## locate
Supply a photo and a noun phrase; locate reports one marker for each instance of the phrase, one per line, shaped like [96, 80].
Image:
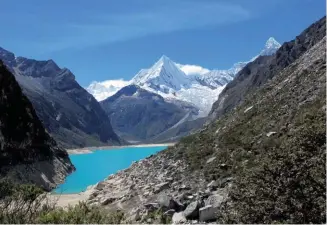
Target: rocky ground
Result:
[158, 188]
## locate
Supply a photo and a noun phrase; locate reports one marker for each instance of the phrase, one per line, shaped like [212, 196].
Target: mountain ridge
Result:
[68, 112]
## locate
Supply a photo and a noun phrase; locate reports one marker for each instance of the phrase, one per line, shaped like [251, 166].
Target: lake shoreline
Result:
[88, 150]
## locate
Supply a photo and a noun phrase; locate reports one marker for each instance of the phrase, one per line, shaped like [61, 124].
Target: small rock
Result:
[183, 187]
[211, 159]
[168, 202]
[100, 185]
[152, 206]
[271, 133]
[222, 182]
[161, 186]
[178, 218]
[107, 200]
[223, 166]
[192, 210]
[169, 212]
[248, 109]
[212, 185]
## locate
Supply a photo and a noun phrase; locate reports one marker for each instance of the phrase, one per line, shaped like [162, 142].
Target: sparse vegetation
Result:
[275, 151]
[21, 204]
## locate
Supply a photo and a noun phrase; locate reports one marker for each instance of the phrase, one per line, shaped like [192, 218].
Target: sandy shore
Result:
[90, 149]
[65, 200]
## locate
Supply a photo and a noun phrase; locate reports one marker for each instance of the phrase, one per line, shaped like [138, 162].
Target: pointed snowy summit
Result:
[272, 43]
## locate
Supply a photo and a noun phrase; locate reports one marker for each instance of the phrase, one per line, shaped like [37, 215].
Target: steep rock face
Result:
[139, 115]
[27, 153]
[68, 112]
[263, 68]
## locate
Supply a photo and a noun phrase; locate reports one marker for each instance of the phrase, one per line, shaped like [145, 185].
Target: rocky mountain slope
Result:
[139, 115]
[27, 153]
[263, 68]
[68, 112]
[263, 162]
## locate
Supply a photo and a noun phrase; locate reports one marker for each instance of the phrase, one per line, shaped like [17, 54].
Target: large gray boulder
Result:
[166, 202]
[211, 208]
[192, 210]
[178, 218]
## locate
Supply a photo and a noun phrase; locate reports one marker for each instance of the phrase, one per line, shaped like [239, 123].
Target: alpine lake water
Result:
[98, 165]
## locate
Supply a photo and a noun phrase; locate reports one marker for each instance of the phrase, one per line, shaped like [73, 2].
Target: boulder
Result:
[211, 208]
[178, 218]
[207, 213]
[167, 202]
[192, 210]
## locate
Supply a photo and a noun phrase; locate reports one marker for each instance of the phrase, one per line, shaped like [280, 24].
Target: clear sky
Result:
[111, 39]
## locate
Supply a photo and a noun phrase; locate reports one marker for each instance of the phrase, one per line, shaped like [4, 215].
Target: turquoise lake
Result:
[96, 166]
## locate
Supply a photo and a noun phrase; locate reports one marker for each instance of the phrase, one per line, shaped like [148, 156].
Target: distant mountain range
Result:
[68, 112]
[190, 83]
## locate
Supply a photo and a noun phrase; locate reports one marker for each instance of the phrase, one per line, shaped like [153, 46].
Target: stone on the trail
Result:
[178, 218]
[211, 159]
[192, 210]
[162, 186]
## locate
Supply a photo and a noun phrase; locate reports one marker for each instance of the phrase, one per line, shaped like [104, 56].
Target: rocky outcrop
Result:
[27, 153]
[157, 183]
[68, 112]
[139, 115]
[255, 74]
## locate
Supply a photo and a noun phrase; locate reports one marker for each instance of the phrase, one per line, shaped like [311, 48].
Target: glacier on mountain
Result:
[173, 81]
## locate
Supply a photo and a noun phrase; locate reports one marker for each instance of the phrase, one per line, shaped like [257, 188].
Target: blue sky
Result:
[112, 39]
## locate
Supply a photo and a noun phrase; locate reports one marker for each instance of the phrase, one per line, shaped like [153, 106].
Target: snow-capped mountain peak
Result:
[164, 76]
[271, 47]
[190, 83]
[272, 43]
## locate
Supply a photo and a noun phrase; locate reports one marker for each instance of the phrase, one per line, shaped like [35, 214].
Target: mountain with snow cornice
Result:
[190, 83]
